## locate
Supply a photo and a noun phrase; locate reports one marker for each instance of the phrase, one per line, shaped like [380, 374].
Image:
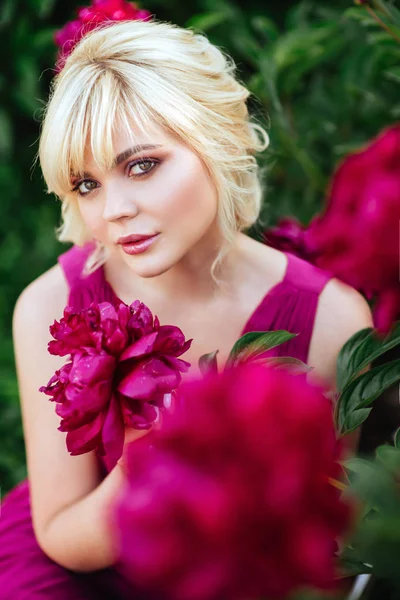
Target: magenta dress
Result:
[26, 573]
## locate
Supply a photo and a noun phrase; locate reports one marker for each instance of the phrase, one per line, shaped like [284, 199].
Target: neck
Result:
[189, 280]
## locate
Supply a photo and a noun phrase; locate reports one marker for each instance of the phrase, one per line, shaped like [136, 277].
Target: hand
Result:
[131, 435]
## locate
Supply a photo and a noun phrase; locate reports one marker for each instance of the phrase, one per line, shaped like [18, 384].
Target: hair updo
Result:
[146, 72]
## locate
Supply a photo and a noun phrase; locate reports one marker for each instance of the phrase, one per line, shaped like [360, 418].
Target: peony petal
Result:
[92, 368]
[141, 321]
[148, 378]
[137, 384]
[142, 347]
[89, 398]
[387, 310]
[177, 363]
[170, 340]
[86, 438]
[107, 311]
[207, 490]
[113, 434]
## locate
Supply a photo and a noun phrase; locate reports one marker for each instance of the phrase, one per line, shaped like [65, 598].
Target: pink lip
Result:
[133, 237]
[136, 247]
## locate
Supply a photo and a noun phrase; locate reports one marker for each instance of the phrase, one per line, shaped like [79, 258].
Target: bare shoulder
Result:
[43, 299]
[263, 266]
[341, 312]
[56, 478]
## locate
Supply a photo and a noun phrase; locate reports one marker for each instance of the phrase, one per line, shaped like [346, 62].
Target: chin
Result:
[148, 267]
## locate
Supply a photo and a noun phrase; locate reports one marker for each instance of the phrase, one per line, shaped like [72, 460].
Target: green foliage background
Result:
[325, 79]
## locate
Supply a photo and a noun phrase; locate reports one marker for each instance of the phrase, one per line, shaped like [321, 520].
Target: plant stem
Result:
[381, 23]
[337, 484]
[381, 6]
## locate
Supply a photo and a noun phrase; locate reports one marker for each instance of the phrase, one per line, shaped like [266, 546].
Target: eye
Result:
[141, 167]
[84, 187]
[135, 169]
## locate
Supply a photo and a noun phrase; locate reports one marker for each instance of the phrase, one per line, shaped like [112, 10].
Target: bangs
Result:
[87, 123]
[131, 76]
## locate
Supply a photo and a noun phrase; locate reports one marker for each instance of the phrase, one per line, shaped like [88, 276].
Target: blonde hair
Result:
[144, 72]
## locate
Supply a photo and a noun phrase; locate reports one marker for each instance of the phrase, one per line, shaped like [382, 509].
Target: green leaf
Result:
[393, 73]
[361, 393]
[43, 40]
[389, 10]
[350, 561]
[397, 438]
[389, 456]
[288, 363]
[362, 349]
[7, 10]
[206, 21]
[42, 7]
[358, 465]
[27, 92]
[250, 345]
[266, 27]
[361, 15]
[295, 46]
[345, 367]
[6, 136]
[208, 363]
[355, 419]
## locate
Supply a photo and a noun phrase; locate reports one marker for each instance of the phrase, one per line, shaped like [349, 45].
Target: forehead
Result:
[126, 139]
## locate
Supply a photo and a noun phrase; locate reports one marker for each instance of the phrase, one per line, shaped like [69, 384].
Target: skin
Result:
[179, 200]
[171, 193]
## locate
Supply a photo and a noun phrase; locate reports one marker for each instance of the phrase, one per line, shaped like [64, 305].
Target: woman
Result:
[147, 136]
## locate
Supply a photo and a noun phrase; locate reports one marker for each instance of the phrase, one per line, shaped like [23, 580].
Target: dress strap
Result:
[292, 305]
[304, 275]
[83, 289]
[304, 283]
[72, 263]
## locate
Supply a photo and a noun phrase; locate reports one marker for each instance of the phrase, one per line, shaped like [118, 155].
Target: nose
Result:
[119, 204]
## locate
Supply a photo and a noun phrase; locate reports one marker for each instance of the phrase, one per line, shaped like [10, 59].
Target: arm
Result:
[341, 312]
[69, 499]
[79, 537]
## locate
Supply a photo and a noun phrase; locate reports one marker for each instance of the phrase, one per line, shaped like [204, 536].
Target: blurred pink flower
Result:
[122, 364]
[100, 12]
[357, 237]
[231, 498]
[290, 236]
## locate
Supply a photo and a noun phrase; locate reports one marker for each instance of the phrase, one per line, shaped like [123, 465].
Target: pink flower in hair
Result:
[99, 13]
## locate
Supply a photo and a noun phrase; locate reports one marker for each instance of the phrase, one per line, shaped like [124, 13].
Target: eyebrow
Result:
[134, 150]
[126, 154]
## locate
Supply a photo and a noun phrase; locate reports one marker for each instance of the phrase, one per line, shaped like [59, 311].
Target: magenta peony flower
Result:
[358, 235]
[290, 236]
[232, 497]
[122, 364]
[101, 12]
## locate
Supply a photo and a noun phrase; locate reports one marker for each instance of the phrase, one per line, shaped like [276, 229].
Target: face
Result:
[163, 190]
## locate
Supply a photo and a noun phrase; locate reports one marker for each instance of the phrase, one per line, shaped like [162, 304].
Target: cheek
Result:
[191, 198]
[92, 216]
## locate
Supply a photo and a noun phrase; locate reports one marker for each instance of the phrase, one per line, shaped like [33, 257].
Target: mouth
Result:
[134, 237]
[137, 244]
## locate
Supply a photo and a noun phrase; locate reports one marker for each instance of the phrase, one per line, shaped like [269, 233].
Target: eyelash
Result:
[140, 161]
